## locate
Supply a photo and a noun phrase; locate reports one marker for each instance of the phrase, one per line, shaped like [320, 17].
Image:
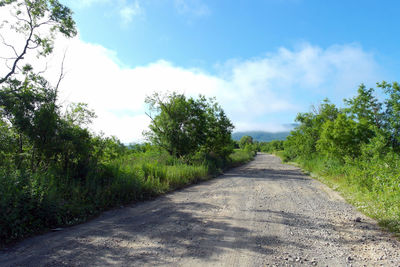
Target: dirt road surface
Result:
[261, 214]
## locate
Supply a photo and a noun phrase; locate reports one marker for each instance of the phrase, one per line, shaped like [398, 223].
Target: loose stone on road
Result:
[261, 214]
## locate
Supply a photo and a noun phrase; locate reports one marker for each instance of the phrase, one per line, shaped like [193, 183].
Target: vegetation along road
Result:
[263, 213]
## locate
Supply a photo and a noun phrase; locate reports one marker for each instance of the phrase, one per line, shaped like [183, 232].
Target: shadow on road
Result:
[268, 174]
[158, 234]
[163, 231]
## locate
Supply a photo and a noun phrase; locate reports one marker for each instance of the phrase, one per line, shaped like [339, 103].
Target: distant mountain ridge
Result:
[261, 136]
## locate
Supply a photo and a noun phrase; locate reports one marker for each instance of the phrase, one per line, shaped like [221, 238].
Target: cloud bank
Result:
[261, 93]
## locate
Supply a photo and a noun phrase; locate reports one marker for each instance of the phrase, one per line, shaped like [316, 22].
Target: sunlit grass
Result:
[36, 201]
[372, 187]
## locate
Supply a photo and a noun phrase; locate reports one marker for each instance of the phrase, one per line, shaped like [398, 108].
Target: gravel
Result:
[261, 214]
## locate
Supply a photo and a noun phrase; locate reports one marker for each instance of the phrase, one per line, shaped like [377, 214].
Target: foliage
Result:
[245, 140]
[355, 149]
[339, 138]
[54, 171]
[239, 156]
[392, 113]
[302, 141]
[184, 126]
[270, 147]
[262, 136]
[36, 22]
[32, 202]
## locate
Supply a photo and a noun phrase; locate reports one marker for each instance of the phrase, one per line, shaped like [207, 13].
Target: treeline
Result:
[54, 171]
[356, 148]
[262, 136]
[247, 143]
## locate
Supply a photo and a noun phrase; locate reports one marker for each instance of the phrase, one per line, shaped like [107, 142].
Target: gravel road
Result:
[261, 214]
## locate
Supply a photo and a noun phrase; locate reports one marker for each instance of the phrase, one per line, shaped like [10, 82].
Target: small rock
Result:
[358, 219]
[349, 258]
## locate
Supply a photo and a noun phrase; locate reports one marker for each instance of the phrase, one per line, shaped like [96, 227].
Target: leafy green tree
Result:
[245, 140]
[36, 22]
[29, 108]
[183, 126]
[392, 112]
[339, 138]
[178, 125]
[27, 101]
[366, 111]
[79, 114]
[8, 143]
[218, 130]
[303, 140]
[365, 107]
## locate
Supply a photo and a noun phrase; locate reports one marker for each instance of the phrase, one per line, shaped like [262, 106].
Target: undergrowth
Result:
[372, 186]
[33, 202]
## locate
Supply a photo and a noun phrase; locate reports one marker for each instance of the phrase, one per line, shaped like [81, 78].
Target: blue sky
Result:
[193, 33]
[264, 60]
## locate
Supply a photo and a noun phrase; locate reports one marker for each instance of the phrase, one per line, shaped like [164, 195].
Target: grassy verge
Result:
[239, 157]
[373, 187]
[35, 202]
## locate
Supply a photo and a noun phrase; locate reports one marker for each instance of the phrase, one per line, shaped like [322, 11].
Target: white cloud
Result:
[254, 93]
[129, 11]
[192, 8]
[126, 10]
[257, 94]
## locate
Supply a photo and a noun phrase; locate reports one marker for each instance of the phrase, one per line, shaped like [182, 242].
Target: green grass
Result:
[373, 187]
[278, 153]
[239, 157]
[33, 202]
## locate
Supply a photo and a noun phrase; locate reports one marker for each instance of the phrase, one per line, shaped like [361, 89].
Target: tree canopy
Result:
[364, 123]
[36, 22]
[184, 125]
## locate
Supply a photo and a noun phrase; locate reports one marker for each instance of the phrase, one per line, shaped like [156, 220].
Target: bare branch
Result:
[8, 45]
[47, 22]
[154, 122]
[7, 58]
[33, 47]
[43, 71]
[61, 77]
[19, 18]
[20, 56]
[6, 63]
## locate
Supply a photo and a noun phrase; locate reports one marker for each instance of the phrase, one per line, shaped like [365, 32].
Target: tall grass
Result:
[33, 202]
[240, 156]
[371, 185]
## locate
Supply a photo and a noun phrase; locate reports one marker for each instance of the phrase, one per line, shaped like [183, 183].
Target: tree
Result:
[364, 107]
[28, 102]
[183, 126]
[340, 138]
[392, 112]
[36, 22]
[30, 108]
[245, 140]
[303, 140]
[218, 130]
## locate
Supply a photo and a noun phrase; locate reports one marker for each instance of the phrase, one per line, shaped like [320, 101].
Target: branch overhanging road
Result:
[263, 213]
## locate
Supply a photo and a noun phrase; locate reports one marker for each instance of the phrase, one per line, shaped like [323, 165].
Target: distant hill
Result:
[261, 136]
